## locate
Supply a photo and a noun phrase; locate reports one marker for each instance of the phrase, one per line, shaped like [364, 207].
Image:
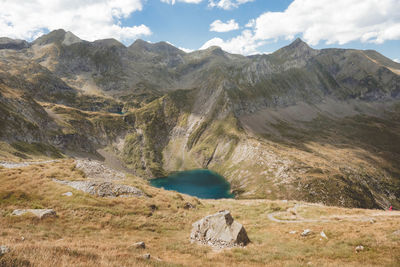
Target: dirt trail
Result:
[332, 218]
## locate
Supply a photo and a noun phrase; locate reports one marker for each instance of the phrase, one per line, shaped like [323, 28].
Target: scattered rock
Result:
[97, 170]
[372, 221]
[140, 245]
[67, 194]
[306, 232]
[219, 231]
[40, 213]
[153, 207]
[188, 206]
[12, 165]
[359, 248]
[323, 235]
[146, 256]
[292, 232]
[4, 250]
[103, 189]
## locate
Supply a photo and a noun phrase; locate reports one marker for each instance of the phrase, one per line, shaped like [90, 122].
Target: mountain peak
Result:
[299, 43]
[58, 36]
[15, 44]
[297, 49]
[109, 42]
[140, 44]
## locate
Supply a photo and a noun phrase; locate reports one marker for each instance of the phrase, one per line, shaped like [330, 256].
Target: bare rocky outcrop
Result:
[103, 189]
[40, 213]
[97, 170]
[12, 165]
[219, 231]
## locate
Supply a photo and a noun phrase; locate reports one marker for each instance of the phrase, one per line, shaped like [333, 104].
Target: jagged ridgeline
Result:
[314, 125]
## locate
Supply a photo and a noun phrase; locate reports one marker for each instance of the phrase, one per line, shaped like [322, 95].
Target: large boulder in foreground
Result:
[219, 231]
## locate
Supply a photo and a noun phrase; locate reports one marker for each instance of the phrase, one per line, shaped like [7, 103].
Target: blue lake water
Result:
[200, 183]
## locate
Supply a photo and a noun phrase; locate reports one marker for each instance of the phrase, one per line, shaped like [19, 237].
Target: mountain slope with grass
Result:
[94, 231]
[300, 123]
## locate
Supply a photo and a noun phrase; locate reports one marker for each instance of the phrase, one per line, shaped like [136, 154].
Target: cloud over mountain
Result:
[332, 22]
[90, 20]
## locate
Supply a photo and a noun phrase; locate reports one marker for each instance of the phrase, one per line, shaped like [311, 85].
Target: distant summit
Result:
[58, 36]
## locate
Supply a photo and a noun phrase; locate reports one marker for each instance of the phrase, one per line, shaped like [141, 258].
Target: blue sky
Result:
[238, 26]
[188, 25]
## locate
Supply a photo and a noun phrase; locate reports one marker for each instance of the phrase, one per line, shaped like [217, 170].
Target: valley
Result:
[294, 124]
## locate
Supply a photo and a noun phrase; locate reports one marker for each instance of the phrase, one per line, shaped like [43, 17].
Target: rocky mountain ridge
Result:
[295, 124]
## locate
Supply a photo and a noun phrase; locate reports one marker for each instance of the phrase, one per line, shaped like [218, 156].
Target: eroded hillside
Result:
[300, 123]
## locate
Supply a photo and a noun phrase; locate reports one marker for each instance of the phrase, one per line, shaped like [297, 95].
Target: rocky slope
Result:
[300, 123]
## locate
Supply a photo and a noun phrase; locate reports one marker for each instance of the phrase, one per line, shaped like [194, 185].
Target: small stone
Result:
[292, 232]
[153, 207]
[22, 238]
[372, 221]
[396, 232]
[146, 256]
[323, 235]
[140, 245]
[359, 248]
[67, 194]
[4, 250]
[188, 206]
[306, 232]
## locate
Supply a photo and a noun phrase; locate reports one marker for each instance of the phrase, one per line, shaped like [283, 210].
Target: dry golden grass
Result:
[92, 231]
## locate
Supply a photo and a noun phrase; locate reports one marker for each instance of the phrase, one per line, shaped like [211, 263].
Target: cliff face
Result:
[316, 125]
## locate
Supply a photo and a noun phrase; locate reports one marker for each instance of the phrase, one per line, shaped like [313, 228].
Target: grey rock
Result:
[306, 232]
[292, 232]
[103, 189]
[146, 256]
[140, 245]
[359, 248]
[67, 194]
[323, 235]
[40, 213]
[188, 206]
[97, 170]
[219, 231]
[4, 250]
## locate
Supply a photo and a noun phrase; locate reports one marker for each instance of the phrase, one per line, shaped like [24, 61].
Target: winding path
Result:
[332, 218]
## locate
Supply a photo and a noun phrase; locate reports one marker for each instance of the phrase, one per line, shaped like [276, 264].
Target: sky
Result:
[238, 26]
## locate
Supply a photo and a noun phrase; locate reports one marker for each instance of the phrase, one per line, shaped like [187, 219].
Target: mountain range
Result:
[299, 123]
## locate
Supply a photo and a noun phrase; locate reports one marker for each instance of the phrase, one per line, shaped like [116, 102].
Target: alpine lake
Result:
[200, 183]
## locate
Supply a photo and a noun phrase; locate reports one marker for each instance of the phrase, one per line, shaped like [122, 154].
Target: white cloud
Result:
[243, 44]
[219, 26]
[339, 21]
[90, 20]
[333, 22]
[227, 4]
[396, 60]
[172, 2]
[187, 50]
